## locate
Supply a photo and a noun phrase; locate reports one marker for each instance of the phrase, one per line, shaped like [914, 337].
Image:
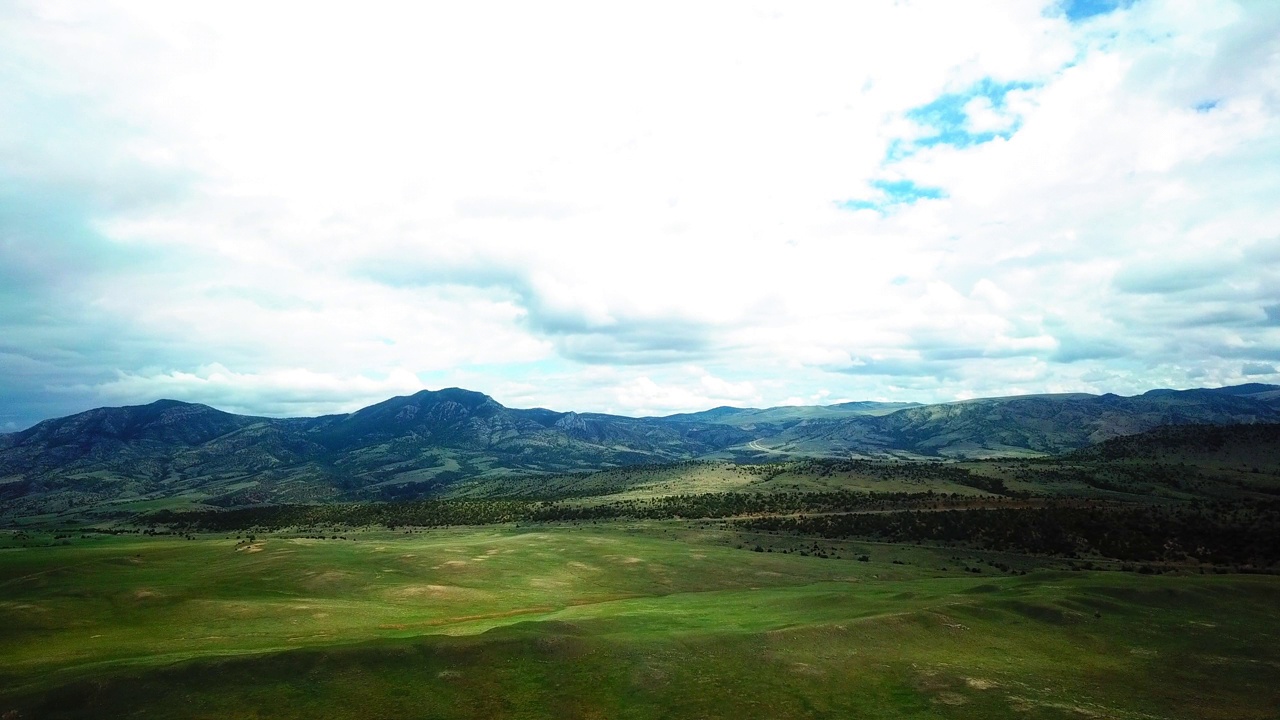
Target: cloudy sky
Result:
[642, 208]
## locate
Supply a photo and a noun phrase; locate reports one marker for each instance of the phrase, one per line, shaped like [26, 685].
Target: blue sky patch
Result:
[859, 205]
[905, 191]
[893, 192]
[1079, 10]
[947, 118]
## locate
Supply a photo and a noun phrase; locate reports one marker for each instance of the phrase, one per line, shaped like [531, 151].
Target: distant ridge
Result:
[784, 413]
[411, 445]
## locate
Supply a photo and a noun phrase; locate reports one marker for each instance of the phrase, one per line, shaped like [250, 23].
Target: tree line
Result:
[439, 513]
[1248, 537]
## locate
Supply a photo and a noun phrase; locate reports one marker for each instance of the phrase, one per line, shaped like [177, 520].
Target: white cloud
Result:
[516, 197]
[286, 392]
[658, 398]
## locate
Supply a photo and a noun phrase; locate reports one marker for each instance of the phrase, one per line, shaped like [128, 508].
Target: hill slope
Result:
[1032, 424]
[192, 453]
[170, 453]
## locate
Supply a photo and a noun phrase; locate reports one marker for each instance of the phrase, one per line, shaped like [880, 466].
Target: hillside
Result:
[1026, 425]
[788, 414]
[174, 454]
[177, 452]
[1250, 449]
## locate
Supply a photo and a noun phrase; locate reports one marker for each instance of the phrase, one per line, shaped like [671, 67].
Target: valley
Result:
[1133, 578]
[896, 360]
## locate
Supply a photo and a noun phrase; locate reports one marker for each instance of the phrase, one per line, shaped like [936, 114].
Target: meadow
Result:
[613, 620]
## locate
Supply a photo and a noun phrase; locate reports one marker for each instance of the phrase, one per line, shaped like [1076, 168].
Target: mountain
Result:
[116, 437]
[1250, 449]
[1028, 424]
[174, 451]
[786, 414]
[170, 453]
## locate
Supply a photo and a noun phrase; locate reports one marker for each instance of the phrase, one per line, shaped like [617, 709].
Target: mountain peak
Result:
[169, 404]
[462, 396]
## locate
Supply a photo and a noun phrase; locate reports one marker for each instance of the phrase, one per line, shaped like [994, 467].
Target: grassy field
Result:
[628, 619]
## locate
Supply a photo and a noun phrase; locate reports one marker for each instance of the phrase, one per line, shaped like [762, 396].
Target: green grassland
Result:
[658, 619]
[1136, 579]
[690, 478]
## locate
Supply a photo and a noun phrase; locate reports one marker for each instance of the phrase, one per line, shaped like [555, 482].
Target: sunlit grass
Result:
[610, 621]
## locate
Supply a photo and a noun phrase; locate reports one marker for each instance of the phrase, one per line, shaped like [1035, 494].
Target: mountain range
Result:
[171, 452]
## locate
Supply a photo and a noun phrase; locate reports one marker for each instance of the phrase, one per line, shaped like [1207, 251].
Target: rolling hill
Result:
[194, 453]
[170, 453]
[1024, 425]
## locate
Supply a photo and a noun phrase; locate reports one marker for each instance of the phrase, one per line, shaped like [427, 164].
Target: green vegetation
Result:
[1137, 579]
[440, 513]
[1246, 539]
[111, 462]
[628, 620]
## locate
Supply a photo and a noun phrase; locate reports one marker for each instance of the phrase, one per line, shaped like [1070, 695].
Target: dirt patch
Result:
[440, 592]
[1022, 704]
[255, 547]
[454, 563]
[582, 566]
[145, 594]
[980, 683]
[649, 678]
[950, 698]
[28, 607]
[546, 583]
[931, 681]
[327, 579]
[800, 668]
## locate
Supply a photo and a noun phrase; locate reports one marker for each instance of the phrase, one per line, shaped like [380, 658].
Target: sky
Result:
[291, 209]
